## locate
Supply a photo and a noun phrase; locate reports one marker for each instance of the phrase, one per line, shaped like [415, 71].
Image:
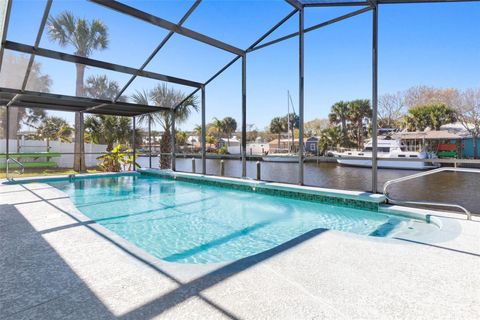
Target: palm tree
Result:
[277, 126]
[197, 129]
[181, 138]
[329, 137]
[109, 130]
[163, 96]
[358, 111]
[229, 126]
[85, 36]
[54, 128]
[100, 87]
[339, 115]
[106, 129]
[218, 126]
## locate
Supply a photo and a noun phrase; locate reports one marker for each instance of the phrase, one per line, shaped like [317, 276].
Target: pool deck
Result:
[57, 264]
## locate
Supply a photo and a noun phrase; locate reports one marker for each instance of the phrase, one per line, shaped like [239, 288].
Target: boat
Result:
[281, 157]
[387, 148]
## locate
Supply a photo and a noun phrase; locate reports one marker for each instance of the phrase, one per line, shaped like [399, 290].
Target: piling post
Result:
[193, 165]
[222, 168]
[259, 175]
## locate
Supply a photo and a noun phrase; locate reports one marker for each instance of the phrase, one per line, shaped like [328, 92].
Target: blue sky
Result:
[419, 44]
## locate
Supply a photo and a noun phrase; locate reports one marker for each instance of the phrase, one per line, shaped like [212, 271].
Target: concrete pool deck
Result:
[58, 264]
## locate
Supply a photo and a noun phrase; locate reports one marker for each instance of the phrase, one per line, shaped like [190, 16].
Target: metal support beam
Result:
[365, 3]
[19, 47]
[134, 145]
[172, 137]
[5, 9]
[295, 3]
[301, 91]
[7, 132]
[337, 4]
[150, 141]
[275, 27]
[244, 116]
[14, 99]
[162, 23]
[158, 48]
[315, 27]
[223, 69]
[420, 1]
[374, 96]
[204, 131]
[43, 22]
[266, 34]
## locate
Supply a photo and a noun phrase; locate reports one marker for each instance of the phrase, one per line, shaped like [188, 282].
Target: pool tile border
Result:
[350, 199]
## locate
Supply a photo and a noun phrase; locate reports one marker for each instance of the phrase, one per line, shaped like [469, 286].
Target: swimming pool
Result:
[187, 222]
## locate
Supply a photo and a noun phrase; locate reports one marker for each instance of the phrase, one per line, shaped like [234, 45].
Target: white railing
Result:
[7, 171]
[426, 203]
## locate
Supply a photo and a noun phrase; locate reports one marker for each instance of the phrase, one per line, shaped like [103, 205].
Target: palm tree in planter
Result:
[84, 36]
[163, 96]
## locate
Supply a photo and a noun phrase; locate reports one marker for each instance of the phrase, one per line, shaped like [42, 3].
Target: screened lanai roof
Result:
[170, 41]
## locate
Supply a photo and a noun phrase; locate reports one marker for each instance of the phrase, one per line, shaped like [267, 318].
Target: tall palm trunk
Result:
[278, 146]
[79, 148]
[165, 148]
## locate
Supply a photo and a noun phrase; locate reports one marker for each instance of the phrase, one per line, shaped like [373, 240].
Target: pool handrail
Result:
[422, 174]
[7, 168]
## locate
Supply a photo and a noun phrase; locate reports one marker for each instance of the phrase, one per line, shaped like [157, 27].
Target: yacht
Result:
[387, 148]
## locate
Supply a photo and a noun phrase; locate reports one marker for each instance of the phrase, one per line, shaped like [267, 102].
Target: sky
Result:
[435, 44]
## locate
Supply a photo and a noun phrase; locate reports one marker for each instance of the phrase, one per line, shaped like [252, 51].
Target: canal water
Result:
[452, 187]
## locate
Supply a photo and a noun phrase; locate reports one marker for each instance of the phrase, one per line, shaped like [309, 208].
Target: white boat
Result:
[281, 157]
[387, 148]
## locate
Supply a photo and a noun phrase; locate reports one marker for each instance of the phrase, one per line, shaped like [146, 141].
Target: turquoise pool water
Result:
[194, 223]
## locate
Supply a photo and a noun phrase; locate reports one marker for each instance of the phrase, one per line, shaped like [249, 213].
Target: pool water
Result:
[193, 223]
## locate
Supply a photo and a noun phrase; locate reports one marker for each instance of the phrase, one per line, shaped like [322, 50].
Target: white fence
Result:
[64, 161]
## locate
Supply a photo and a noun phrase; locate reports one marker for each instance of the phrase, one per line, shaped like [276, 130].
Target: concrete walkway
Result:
[57, 264]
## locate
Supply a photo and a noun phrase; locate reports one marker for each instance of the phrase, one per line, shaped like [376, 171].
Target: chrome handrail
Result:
[7, 168]
[422, 174]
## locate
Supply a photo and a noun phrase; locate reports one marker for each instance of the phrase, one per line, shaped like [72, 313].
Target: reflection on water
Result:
[453, 187]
